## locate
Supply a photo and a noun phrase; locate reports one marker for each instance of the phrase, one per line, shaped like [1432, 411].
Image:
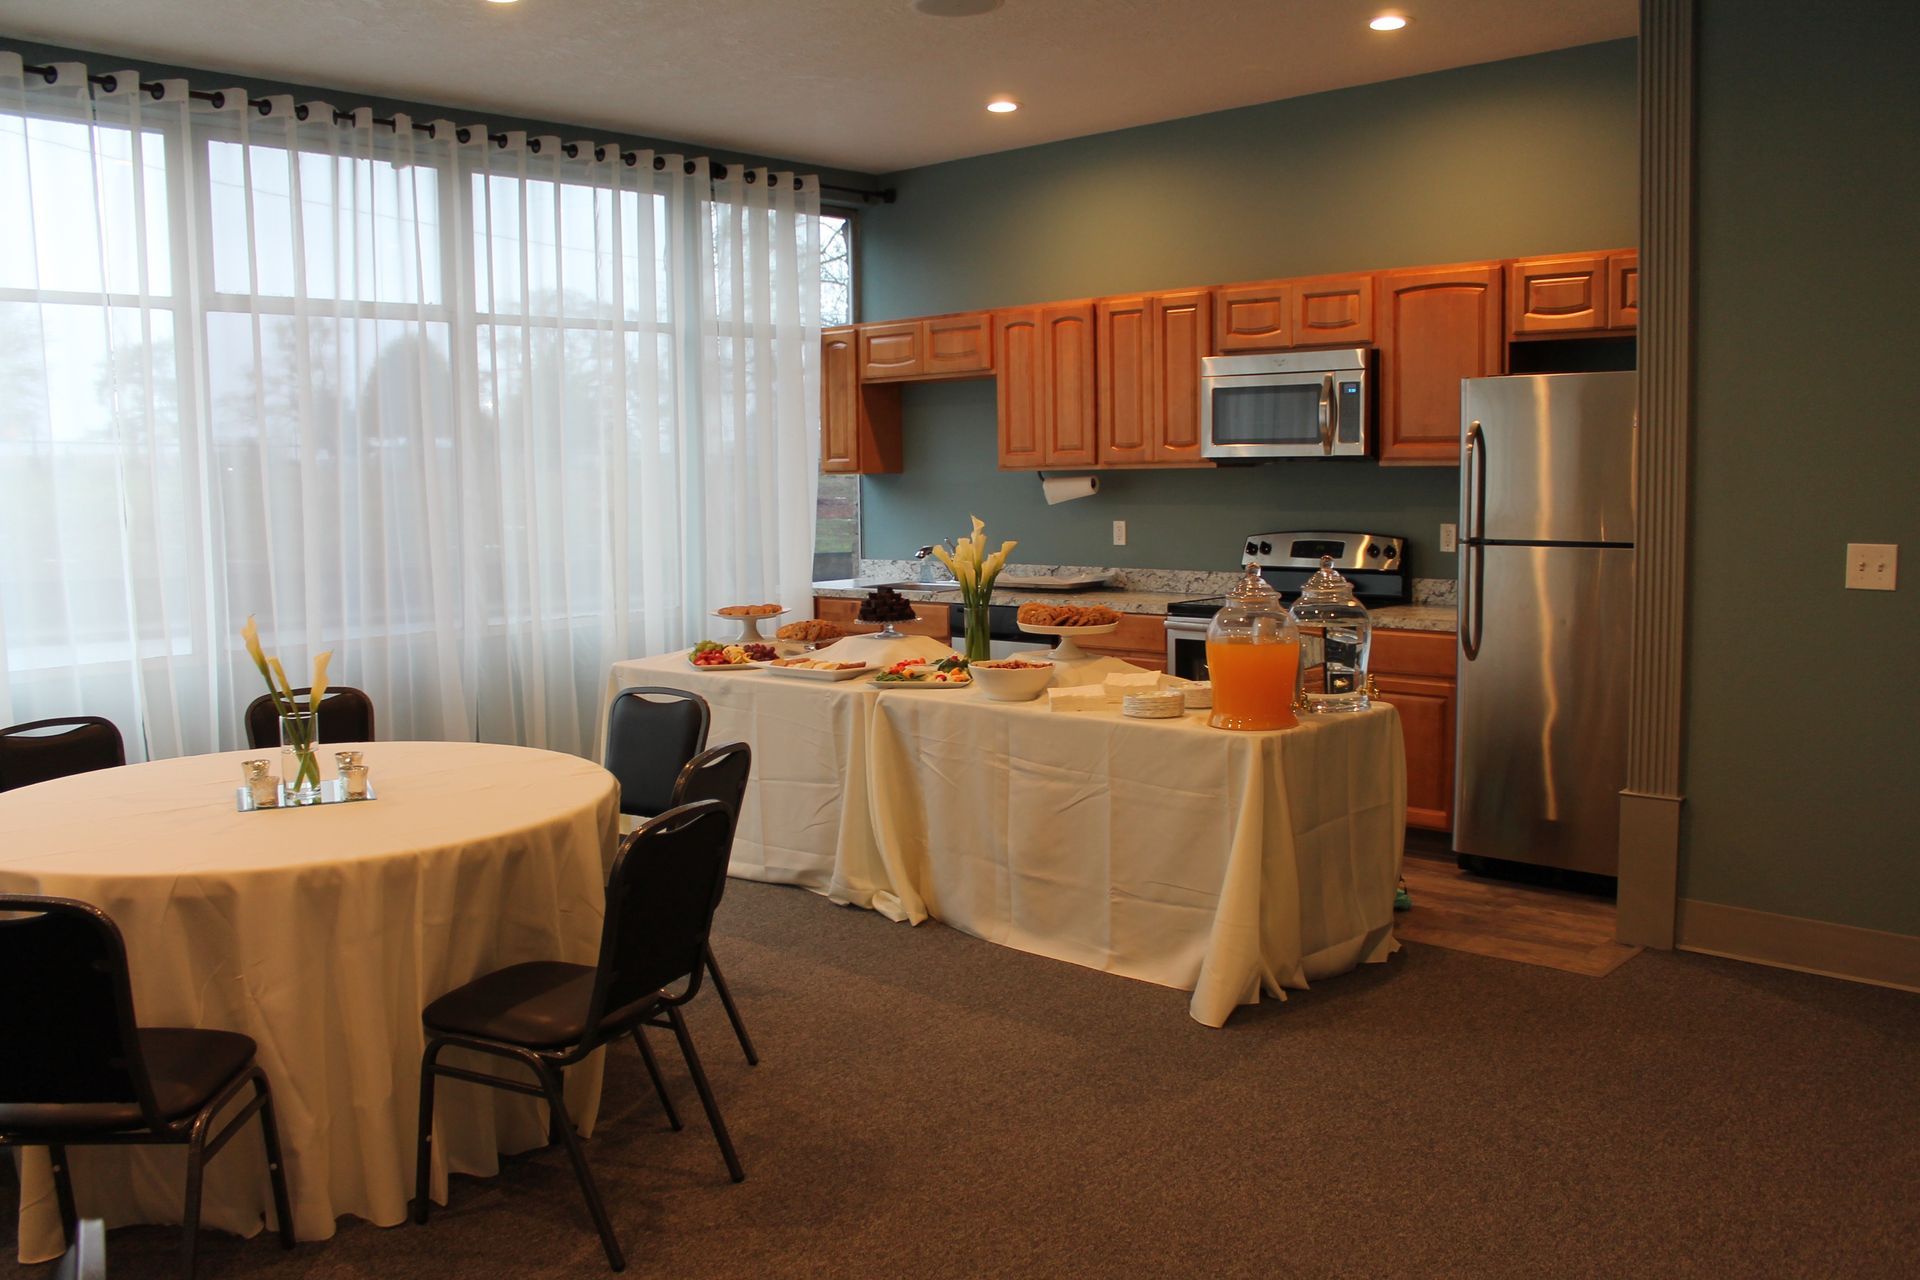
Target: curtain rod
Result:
[218, 100]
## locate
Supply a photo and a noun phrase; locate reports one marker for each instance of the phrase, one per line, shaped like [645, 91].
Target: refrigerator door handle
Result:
[1328, 418]
[1475, 513]
[1473, 562]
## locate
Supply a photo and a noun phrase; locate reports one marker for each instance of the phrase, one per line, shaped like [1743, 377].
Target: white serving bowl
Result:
[1012, 684]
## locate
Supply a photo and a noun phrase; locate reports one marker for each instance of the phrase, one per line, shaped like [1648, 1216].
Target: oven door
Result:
[1187, 647]
[1314, 414]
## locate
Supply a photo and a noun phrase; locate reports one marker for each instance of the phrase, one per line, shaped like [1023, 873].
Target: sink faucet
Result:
[927, 563]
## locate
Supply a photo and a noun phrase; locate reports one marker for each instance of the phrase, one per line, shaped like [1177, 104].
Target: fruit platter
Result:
[916, 673]
[710, 655]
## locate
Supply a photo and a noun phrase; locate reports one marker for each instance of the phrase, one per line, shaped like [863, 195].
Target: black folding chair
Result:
[42, 750]
[548, 1015]
[78, 1070]
[653, 734]
[721, 774]
[346, 715]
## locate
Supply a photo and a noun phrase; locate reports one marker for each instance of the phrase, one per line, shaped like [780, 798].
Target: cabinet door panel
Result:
[1182, 331]
[1067, 385]
[1253, 317]
[839, 401]
[1124, 363]
[1426, 719]
[1333, 311]
[1018, 354]
[1556, 295]
[1623, 290]
[1436, 327]
[958, 344]
[890, 350]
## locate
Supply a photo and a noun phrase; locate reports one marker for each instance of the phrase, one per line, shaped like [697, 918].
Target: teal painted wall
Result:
[1531, 155]
[1802, 748]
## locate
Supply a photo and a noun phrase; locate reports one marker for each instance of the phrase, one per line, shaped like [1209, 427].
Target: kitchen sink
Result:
[944, 584]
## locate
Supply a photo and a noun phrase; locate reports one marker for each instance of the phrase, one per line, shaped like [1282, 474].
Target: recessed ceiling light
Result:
[1001, 106]
[1388, 22]
[955, 8]
[500, 1]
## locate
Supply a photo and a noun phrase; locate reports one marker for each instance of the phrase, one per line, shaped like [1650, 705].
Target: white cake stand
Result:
[1067, 651]
[749, 626]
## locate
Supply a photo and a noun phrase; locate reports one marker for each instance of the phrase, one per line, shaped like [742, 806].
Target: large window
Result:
[836, 535]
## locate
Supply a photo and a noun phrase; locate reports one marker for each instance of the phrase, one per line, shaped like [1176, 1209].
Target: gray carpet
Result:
[932, 1105]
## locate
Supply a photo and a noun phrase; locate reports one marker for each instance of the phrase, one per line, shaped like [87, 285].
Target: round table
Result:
[322, 933]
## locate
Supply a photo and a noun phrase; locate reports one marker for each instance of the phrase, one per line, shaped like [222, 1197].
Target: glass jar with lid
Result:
[1327, 604]
[1253, 658]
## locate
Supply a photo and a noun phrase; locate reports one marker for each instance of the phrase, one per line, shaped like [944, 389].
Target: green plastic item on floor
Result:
[1402, 900]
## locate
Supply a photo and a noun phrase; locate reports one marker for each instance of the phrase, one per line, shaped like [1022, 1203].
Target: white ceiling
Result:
[869, 85]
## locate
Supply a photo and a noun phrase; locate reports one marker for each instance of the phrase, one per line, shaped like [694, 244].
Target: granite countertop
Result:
[1142, 591]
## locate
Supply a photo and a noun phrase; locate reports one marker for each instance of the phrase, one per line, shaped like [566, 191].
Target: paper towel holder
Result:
[1070, 486]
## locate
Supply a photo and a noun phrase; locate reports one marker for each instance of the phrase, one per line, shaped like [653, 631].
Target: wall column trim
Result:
[1650, 803]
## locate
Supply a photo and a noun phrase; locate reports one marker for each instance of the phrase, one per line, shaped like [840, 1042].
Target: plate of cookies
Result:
[807, 634]
[1067, 621]
[749, 616]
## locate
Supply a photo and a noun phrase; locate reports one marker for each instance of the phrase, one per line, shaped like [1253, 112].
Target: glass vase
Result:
[978, 641]
[300, 756]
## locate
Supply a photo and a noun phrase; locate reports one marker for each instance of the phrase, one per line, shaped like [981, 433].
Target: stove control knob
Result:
[1253, 548]
[1266, 548]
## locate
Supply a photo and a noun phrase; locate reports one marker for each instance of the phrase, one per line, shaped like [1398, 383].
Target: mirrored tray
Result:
[332, 791]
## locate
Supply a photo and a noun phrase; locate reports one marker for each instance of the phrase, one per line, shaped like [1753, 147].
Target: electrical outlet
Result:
[1449, 537]
[1119, 533]
[1871, 565]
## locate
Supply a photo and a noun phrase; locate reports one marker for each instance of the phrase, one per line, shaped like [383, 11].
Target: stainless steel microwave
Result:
[1293, 404]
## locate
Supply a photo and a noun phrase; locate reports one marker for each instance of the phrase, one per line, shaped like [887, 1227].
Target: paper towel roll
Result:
[1066, 488]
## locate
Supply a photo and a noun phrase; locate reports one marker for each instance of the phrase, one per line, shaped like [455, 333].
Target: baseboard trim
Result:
[1792, 942]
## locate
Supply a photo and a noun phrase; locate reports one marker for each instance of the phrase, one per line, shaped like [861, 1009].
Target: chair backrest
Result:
[346, 715]
[661, 895]
[44, 749]
[651, 734]
[718, 773]
[70, 1030]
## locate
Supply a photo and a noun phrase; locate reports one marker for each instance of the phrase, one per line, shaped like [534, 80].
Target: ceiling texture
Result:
[867, 85]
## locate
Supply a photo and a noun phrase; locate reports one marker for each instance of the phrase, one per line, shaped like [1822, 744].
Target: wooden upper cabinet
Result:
[1046, 387]
[939, 347]
[1253, 317]
[957, 344]
[859, 425]
[1556, 295]
[1623, 289]
[890, 350]
[1147, 357]
[1436, 327]
[1333, 311]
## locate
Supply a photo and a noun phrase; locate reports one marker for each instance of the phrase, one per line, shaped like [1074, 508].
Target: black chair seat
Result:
[538, 1005]
[186, 1066]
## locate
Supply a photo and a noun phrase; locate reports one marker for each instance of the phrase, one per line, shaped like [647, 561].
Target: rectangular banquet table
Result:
[1216, 862]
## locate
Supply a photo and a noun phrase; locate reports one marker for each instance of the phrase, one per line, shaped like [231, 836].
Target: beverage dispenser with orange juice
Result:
[1253, 656]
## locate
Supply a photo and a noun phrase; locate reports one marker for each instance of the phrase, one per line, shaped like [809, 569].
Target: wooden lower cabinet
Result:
[929, 618]
[1141, 639]
[1414, 671]
[1436, 327]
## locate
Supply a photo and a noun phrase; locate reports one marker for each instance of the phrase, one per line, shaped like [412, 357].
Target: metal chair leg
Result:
[550, 1082]
[63, 1191]
[659, 1085]
[190, 1216]
[706, 1093]
[557, 1117]
[276, 1164]
[423, 1158]
[733, 1012]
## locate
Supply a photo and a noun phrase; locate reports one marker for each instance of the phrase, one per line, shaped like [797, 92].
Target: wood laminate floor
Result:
[1528, 924]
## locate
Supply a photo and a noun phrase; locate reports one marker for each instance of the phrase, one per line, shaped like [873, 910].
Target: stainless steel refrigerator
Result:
[1545, 596]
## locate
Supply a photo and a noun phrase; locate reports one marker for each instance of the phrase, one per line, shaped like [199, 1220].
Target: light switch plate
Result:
[1449, 537]
[1119, 533]
[1872, 566]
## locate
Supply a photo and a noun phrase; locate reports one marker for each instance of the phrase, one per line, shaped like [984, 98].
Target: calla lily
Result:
[251, 634]
[280, 674]
[319, 678]
[979, 539]
[940, 554]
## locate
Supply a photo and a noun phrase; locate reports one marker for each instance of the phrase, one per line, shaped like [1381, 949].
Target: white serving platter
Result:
[1067, 650]
[731, 666]
[1069, 582]
[750, 625]
[819, 673]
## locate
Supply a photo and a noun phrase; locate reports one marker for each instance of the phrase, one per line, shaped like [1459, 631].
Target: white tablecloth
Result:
[1220, 863]
[322, 934]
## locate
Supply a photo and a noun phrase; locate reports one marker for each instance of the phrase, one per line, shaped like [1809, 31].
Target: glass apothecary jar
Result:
[1328, 605]
[1253, 658]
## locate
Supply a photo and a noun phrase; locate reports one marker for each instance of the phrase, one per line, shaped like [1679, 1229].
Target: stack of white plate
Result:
[1162, 704]
[1199, 695]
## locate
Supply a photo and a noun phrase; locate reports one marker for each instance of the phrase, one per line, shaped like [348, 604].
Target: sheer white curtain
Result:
[481, 418]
